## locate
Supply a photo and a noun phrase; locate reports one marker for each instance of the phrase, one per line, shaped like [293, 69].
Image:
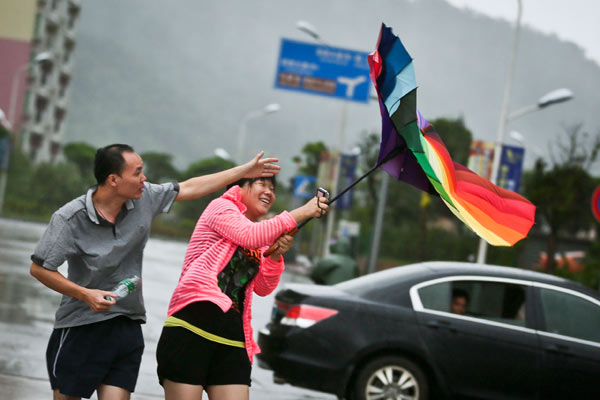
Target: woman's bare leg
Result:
[181, 391]
[228, 392]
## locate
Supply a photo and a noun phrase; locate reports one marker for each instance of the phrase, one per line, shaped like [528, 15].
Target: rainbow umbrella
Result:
[413, 152]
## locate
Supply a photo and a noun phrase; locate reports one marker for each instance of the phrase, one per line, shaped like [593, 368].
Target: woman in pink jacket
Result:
[207, 341]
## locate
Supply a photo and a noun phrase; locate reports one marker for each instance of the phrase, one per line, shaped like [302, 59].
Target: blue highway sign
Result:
[323, 70]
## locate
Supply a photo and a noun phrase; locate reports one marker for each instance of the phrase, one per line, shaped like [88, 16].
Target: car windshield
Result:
[366, 284]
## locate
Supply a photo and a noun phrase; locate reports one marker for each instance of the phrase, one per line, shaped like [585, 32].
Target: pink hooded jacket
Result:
[222, 227]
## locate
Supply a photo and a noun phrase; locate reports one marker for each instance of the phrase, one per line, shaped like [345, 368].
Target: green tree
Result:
[36, 191]
[562, 193]
[369, 153]
[456, 136]
[191, 210]
[309, 160]
[82, 155]
[56, 184]
[3, 131]
[158, 167]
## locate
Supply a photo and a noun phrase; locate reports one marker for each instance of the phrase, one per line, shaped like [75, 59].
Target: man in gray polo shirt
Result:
[97, 343]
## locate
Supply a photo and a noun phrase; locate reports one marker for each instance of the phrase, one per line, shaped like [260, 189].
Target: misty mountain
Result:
[179, 76]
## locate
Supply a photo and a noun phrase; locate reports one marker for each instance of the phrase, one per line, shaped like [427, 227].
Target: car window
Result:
[494, 301]
[570, 315]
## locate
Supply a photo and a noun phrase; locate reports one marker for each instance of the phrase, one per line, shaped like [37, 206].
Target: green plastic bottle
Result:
[125, 288]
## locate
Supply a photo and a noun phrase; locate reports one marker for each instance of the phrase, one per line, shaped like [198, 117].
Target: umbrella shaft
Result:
[385, 159]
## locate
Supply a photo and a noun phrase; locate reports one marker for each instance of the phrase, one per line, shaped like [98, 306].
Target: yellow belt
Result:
[176, 322]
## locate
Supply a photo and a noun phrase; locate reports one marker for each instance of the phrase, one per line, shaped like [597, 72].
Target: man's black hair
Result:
[243, 181]
[110, 160]
[458, 292]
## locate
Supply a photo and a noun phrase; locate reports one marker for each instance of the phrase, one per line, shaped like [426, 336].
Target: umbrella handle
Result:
[388, 157]
[275, 246]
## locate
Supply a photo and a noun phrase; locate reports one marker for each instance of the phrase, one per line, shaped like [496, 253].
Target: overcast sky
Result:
[573, 20]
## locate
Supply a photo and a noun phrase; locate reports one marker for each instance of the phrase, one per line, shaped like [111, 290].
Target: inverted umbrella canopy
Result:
[499, 216]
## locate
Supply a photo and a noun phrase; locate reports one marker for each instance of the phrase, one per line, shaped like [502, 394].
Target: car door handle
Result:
[557, 348]
[435, 324]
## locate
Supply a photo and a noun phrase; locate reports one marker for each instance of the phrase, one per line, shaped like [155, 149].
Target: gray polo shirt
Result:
[100, 254]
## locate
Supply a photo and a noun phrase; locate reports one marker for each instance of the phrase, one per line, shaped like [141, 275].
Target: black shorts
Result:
[81, 358]
[186, 357]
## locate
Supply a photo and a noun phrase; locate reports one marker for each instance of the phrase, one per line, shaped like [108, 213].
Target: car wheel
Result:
[391, 378]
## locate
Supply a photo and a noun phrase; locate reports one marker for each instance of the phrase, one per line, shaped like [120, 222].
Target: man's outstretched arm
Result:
[199, 186]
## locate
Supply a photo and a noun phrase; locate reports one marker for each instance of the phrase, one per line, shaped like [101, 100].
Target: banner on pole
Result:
[481, 158]
[347, 175]
[327, 170]
[511, 168]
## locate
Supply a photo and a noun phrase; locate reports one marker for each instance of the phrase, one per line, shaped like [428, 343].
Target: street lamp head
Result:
[271, 108]
[555, 96]
[308, 28]
[516, 136]
[222, 153]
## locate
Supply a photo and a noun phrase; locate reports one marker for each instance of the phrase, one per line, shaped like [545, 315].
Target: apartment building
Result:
[36, 71]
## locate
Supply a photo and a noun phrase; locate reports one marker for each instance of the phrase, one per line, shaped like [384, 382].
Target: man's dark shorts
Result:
[81, 358]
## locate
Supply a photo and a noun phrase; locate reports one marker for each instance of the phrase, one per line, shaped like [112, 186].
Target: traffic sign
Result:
[323, 70]
[305, 186]
[596, 203]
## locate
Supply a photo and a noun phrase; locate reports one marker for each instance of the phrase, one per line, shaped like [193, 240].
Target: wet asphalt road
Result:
[27, 313]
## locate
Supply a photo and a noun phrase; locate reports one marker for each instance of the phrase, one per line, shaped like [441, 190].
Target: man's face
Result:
[459, 305]
[131, 182]
[258, 197]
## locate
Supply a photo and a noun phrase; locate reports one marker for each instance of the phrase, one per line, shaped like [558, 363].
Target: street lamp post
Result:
[554, 97]
[310, 30]
[268, 109]
[482, 251]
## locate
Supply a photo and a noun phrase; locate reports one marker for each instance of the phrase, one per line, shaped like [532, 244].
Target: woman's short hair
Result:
[243, 181]
[110, 160]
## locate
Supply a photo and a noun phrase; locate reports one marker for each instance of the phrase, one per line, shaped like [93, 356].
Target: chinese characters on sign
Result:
[323, 70]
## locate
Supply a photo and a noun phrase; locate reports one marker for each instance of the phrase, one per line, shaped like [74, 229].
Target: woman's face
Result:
[258, 197]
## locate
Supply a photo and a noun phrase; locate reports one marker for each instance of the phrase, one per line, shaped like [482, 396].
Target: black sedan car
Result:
[438, 330]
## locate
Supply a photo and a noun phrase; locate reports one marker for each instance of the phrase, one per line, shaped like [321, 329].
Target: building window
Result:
[71, 18]
[35, 142]
[54, 151]
[59, 116]
[63, 84]
[40, 107]
[46, 70]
